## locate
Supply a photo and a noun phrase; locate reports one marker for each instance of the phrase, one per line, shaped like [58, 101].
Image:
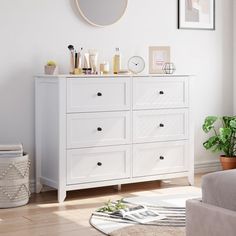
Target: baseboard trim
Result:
[32, 186]
[207, 166]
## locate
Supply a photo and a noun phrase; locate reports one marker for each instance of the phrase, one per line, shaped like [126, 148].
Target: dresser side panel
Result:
[47, 131]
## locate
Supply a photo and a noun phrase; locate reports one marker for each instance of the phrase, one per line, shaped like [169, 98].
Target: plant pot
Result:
[50, 70]
[228, 163]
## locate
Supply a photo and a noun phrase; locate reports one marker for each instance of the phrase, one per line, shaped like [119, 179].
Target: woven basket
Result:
[14, 181]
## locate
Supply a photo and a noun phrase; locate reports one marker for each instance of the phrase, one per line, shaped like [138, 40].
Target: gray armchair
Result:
[215, 214]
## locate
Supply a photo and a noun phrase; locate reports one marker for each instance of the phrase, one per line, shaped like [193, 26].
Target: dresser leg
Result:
[191, 179]
[61, 195]
[117, 187]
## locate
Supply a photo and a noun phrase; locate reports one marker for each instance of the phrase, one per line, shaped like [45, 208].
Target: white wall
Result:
[33, 32]
[234, 49]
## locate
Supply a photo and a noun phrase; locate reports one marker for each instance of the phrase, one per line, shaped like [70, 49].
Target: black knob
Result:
[161, 92]
[99, 94]
[162, 158]
[161, 125]
[99, 163]
[99, 129]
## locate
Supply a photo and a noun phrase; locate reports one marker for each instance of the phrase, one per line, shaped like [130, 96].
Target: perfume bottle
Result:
[116, 61]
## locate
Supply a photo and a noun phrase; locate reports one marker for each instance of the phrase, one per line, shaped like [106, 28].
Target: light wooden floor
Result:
[44, 216]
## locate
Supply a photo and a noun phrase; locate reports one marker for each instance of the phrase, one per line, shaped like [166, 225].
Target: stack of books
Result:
[11, 150]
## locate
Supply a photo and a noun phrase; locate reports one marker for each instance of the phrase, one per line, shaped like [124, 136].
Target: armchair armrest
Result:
[219, 189]
[208, 220]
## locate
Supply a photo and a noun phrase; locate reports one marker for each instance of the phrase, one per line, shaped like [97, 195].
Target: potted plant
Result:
[223, 138]
[51, 68]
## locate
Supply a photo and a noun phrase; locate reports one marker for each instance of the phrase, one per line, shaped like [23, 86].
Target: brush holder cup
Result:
[14, 181]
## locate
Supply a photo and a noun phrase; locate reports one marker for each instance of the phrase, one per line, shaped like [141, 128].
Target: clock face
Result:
[136, 64]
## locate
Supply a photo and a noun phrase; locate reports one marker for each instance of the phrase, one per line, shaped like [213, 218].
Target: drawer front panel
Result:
[98, 94]
[98, 164]
[151, 93]
[159, 158]
[160, 125]
[98, 129]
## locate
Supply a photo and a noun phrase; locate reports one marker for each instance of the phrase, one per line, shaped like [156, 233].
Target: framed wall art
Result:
[196, 14]
[158, 56]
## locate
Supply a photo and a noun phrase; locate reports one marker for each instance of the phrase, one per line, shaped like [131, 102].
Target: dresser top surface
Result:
[111, 76]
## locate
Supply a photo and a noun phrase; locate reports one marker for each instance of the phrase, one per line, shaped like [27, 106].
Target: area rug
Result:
[170, 202]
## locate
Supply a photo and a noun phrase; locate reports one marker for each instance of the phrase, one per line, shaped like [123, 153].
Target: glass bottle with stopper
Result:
[116, 61]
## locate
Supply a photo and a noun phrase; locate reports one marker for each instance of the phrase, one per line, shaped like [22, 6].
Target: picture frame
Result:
[196, 14]
[158, 56]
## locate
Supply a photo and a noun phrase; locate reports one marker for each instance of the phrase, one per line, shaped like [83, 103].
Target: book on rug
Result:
[137, 213]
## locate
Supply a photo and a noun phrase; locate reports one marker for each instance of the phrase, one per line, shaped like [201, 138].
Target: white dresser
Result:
[98, 131]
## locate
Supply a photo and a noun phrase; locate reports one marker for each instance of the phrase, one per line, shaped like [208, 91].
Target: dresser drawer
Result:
[160, 125]
[98, 164]
[159, 158]
[98, 129]
[98, 94]
[151, 93]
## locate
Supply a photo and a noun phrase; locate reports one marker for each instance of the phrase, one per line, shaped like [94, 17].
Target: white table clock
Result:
[136, 64]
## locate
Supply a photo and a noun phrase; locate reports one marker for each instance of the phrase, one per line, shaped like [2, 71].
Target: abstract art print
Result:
[196, 14]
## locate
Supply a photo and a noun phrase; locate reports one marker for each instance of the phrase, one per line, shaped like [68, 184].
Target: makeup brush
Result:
[76, 59]
[80, 58]
[72, 59]
[71, 48]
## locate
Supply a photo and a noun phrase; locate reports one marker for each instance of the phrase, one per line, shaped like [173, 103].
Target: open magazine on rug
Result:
[136, 213]
[139, 214]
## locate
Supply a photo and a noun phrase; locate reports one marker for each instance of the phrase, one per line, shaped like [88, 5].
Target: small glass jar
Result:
[104, 68]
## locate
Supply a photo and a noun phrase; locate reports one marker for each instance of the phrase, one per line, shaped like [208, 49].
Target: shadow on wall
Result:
[17, 108]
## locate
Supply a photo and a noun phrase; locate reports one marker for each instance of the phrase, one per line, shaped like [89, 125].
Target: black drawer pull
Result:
[161, 92]
[99, 94]
[99, 163]
[99, 129]
[162, 158]
[161, 125]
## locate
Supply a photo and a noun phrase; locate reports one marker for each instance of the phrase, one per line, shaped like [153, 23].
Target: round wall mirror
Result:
[102, 12]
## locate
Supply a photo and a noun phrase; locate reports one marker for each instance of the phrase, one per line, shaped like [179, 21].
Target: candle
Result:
[104, 68]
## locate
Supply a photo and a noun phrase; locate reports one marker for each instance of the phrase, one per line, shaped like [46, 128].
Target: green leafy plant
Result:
[223, 138]
[112, 206]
